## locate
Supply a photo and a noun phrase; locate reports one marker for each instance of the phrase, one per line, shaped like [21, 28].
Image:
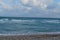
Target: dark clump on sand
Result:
[31, 37]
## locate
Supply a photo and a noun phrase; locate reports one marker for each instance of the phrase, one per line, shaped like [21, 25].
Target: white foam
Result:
[14, 21]
[51, 21]
[38, 33]
[22, 21]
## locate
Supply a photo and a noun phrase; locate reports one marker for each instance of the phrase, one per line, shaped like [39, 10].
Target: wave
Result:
[38, 33]
[50, 21]
[15, 21]
[28, 26]
[28, 21]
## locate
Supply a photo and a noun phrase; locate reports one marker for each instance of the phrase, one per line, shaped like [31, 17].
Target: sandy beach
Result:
[32, 37]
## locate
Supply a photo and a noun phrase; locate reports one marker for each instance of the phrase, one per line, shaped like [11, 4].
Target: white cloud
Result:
[29, 8]
[37, 7]
[25, 1]
[0, 0]
[56, 10]
[5, 6]
[10, 0]
[42, 4]
[58, 3]
[35, 2]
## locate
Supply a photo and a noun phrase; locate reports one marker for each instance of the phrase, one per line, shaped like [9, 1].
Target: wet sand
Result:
[32, 37]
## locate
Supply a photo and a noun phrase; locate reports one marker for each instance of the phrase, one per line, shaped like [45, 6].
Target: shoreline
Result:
[39, 33]
[32, 37]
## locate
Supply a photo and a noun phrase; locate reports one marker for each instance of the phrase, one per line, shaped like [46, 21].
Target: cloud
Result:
[33, 8]
[58, 4]
[42, 4]
[25, 1]
[0, 0]
[10, 0]
[35, 2]
[5, 6]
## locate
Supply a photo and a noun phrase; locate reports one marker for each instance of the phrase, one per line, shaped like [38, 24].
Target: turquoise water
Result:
[23, 25]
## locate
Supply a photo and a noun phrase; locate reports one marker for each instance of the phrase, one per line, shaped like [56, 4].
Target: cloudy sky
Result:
[30, 8]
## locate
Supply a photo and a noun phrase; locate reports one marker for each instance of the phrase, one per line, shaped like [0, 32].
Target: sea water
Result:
[29, 25]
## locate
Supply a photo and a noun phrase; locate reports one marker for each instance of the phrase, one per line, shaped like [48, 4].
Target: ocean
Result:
[29, 25]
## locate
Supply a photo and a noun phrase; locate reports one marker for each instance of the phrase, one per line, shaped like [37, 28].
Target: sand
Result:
[32, 37]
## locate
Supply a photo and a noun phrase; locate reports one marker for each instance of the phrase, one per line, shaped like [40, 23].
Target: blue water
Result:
[27, 25]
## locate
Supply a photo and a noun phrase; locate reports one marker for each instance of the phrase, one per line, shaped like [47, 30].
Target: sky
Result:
[30, 8]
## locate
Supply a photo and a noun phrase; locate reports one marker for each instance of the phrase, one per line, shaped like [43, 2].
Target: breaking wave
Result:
[51, 21]
[23, 26]
[28, 21]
